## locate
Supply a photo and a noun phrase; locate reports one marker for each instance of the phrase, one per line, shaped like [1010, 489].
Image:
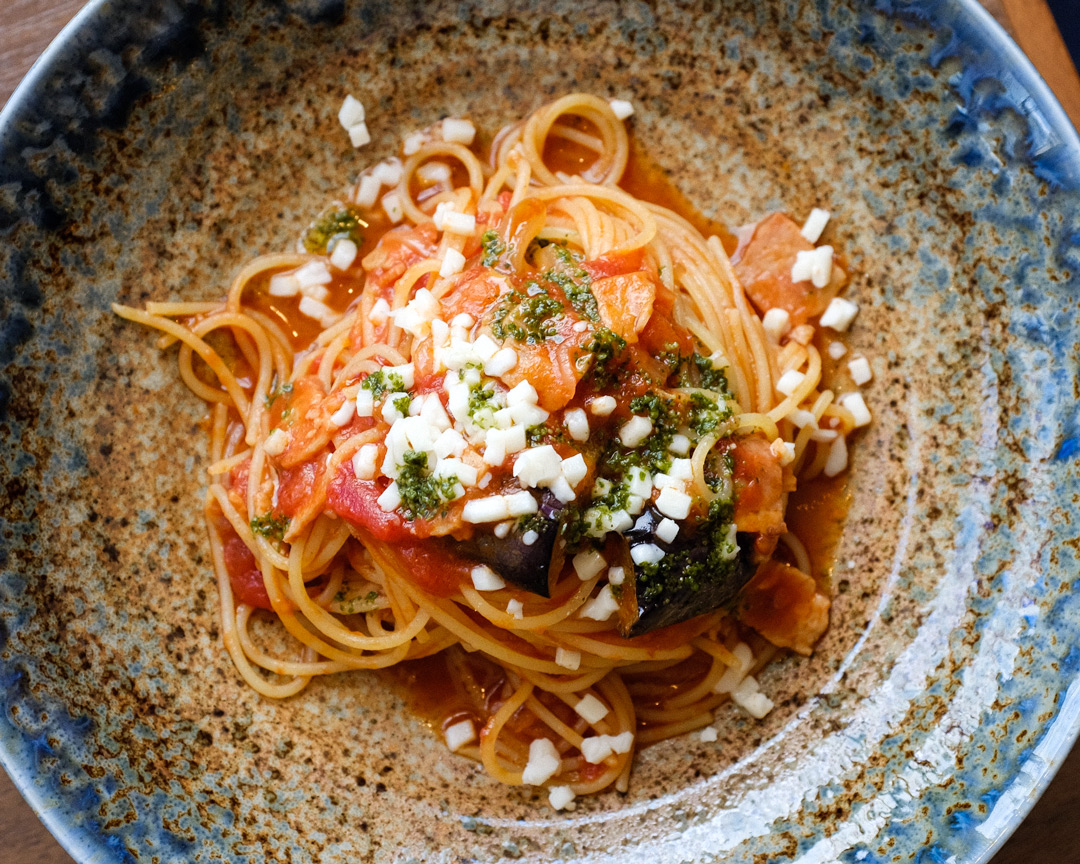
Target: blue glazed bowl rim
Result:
[1059, 735]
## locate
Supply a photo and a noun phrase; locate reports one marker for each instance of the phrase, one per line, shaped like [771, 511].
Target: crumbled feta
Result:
[458, 131]
[452, 263]
[837, 350]
[577, 424]
[860, 371]
[359, 135]
[855, 403]
[588, 563]
[789, 382]
[776, 323]
[815, 223]
[621, 108]
[602, 606]
[674, 502]
[543, 764]
[667, 530]
[351, 112]
[839, 314]
[590, 709]
[460, 734]
[276, 442]
[391, 204]
[838, 458]
[344, 254]
[634, 431]
[568, 659]
[602, 406]
[813, 264]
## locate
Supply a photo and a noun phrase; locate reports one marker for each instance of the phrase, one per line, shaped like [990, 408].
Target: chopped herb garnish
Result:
[530, 319]
[492, 247]
[421, 493]
[334, 224]
[706, 414]
[269, 525]
[283, 390]
[402, 405]
[575, 283]
[606, 349]
[378, 382]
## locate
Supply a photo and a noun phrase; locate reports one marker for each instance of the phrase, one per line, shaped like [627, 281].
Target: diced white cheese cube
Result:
[494, 508]
[815, 223]
[748, 697]
[390, 499]
[322, 313]
[837, 350]
[602, 606]
[486, 579]
[465, 473]
[529, 537]
[708, 734]
[344, 254]
[813, 264]
[359, 135]
[284, 285]
[561, 797]
[860, 371]
[459, 223]
[367, 191]
[776, 323]
[596, 748]
[568, 659]
[380, 312]
[588, 563]
[521, 503]
[501, 362]
[577, 424]
[413, 142]
[574, 469]
[364, 462]
[616, 575]
[452, 263]
[276, 442]
[515, 608]
[543, 764]
[458, 131]
[365, 403]
[783, 450]
[646, 553]
[634, 431]
[667, 530]
[562, 490]
[522, 393]
[744, 659]
[621, 108]
[388, 172]
[674, 503]
[855, 403]
[790, 381]
[351, 112]
[680, 444]
[528, 415]
[640, 482]
[681, 469]
[460, 734]
[538, 465]
[622, 742]
[391, 204]
[433, 172]
[838, 458]
[839, 314]
[343, 416]
[313, 273]
[602, 406]
[590, 709]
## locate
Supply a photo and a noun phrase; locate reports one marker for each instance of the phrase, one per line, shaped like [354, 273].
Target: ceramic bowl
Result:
[158, 146]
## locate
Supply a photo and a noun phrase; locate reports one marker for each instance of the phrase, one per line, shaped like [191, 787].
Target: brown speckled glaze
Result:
[163, 146]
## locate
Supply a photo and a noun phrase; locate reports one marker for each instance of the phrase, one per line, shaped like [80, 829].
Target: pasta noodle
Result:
[537, 433]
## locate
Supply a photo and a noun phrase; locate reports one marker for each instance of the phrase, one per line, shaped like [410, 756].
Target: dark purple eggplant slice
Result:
[526, 566]
[693, 577]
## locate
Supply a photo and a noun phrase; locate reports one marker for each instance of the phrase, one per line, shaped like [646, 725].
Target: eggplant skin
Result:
[524, 566]
[693, 577]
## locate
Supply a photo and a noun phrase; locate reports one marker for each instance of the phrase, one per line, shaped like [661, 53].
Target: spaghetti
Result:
[538, 430]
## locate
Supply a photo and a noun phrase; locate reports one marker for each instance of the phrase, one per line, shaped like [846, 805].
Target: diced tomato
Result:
[433, 568]
[355, 501]
[245, 577]
[783, 604]
[764, 270]
[302, 492]
[552, 365]
[397, 251]
[662, 332]
[473, 292]
[614, 265]
[625, 302]
[307, 421]
[759, 487]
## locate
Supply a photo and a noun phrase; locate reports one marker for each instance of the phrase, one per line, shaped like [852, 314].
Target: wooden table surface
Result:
[1049, 834]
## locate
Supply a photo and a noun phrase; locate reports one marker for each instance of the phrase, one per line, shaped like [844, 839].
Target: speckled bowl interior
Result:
[160, 145]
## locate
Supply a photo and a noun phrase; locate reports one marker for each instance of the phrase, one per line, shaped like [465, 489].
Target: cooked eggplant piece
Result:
[525, 565]
[702, 569]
